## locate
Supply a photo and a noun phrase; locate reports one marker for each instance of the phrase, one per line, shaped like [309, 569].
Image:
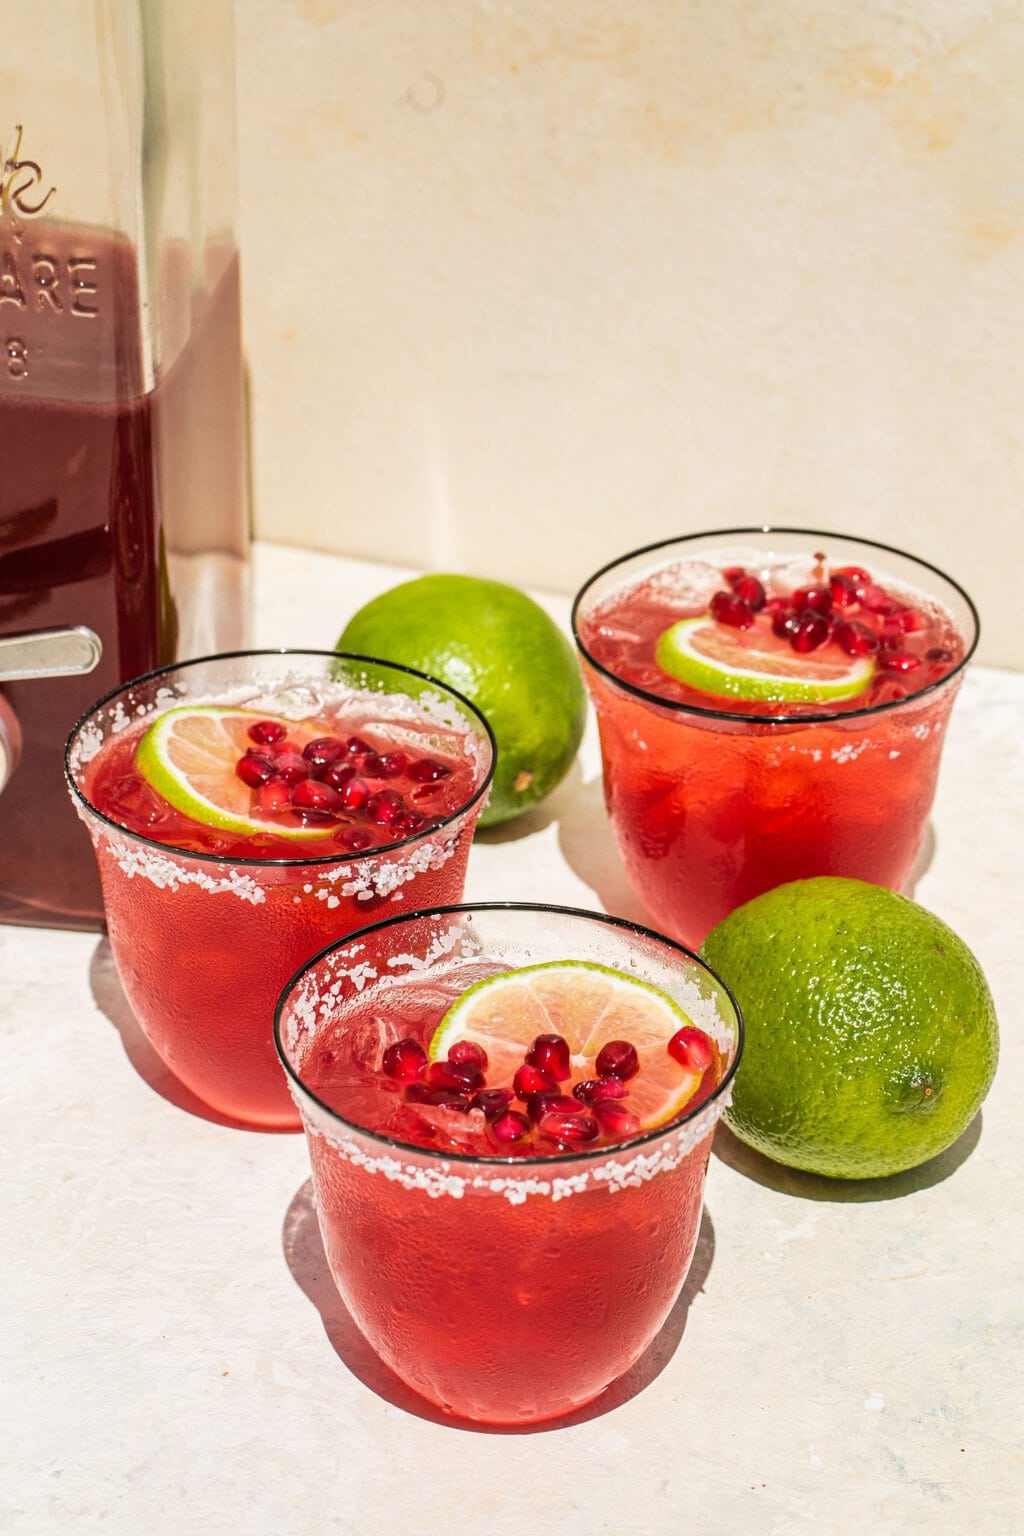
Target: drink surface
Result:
[912, 640]
[372, 1067]
[104, 519]
[394, 780]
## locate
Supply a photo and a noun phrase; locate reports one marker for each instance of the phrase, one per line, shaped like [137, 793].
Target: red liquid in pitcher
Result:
[99, 525]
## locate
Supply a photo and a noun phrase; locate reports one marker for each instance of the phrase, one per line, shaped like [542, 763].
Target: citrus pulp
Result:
[588, 1006]
[189, 754]
[754, 663]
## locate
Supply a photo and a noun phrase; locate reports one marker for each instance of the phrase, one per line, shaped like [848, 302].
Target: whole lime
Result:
[499, 648]
[871, 1035]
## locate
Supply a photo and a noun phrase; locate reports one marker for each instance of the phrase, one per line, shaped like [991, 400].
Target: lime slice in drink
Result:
[189, 755]
[757, 664]
[589, 1006]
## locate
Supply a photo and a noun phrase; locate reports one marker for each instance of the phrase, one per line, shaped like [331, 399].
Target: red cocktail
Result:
[772, 705]
[246, 810]
[508, 1273]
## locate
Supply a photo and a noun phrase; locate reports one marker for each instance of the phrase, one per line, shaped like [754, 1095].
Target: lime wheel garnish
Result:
[190, 755]
[754, 663]
[583, 1048]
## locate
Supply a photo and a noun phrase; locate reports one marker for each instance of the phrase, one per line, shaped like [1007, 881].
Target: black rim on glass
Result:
[467, 909]
[338, 856]
[804, 717]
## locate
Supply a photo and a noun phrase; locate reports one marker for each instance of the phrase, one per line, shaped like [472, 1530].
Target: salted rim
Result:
[439, 1155]
[805, 717]
[338, 855]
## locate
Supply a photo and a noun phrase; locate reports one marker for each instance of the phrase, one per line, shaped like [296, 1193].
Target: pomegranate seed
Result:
[751, 591]
[855, 638]
[384, 806]
[899, 661]
[469, 1051]
[538, 1104]
[492, 1100]
[615, 1119]
[427, 770]
[418, 1093]
[407, 822]
[618, 1059]
[559, 1127]
[734, 573]
[552, 1103]
[254, 769]
[405, 1060]
[810, 631]
[785, 623]
[594, 1088]
[691, 1047]
[818, 599]
[337, 775]
[291, 767]
[384, 765]
[907, 622]
[455, 1074]
[551, 1054]
[510, 1126]
[356, 838]
[322, 752]
[354, 794]
[938, 653]
[267, 732]
[532, 1080]
[877, 600]
[446, 1098]
[855, 574]
[274, 796]
[355, 746]
[311, 795]
[729, 609]
[842, 590]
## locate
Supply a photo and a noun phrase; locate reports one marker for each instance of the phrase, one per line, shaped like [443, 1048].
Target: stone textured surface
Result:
[175, 1360]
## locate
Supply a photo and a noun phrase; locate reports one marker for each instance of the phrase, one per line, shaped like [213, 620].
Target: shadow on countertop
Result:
[737, 1155]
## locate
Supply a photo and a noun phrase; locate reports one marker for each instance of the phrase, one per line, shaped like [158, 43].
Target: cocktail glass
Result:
[204, 942]
[710, 806]
[503, 1289]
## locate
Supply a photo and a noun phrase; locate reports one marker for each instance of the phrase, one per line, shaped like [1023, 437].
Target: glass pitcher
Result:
[123, 480]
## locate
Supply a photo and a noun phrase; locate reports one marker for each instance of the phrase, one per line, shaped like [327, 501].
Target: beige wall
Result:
[527, 284]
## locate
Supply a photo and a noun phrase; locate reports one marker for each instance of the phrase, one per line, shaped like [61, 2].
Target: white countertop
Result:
[175, 1359]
